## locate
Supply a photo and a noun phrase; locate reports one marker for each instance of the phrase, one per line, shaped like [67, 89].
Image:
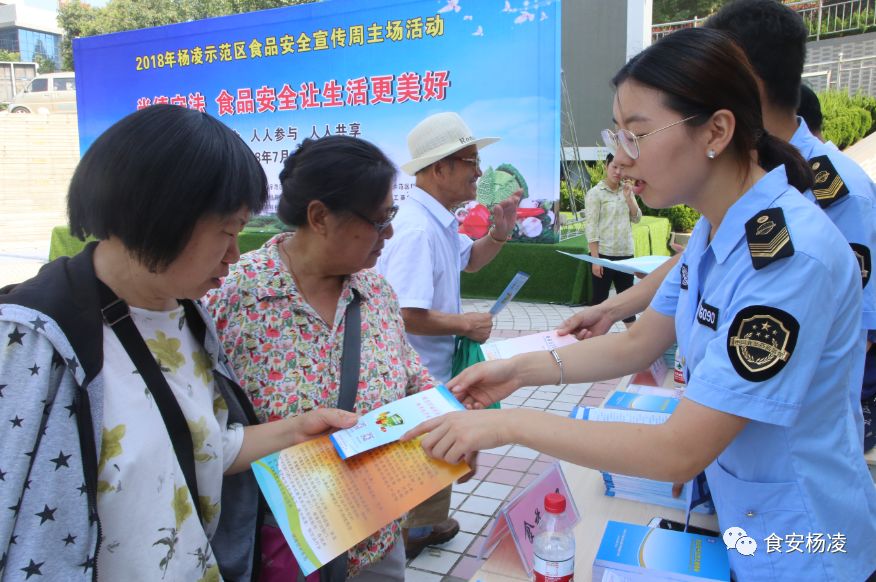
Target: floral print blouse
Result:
[288, 359]
[151, 530]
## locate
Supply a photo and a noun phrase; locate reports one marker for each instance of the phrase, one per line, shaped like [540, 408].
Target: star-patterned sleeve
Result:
[30, 372]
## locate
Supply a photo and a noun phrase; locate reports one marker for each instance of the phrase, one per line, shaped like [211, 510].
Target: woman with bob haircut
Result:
[108, 354]
[283, 311]
[769, 411]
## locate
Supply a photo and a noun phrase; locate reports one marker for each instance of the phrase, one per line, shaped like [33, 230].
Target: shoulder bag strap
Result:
[336, 570]
[117, 315]
[352, 354]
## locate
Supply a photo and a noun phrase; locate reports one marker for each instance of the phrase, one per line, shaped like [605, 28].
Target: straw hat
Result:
[438, 136]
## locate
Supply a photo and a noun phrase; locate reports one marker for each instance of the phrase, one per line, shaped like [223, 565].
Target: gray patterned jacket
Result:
[51, 398]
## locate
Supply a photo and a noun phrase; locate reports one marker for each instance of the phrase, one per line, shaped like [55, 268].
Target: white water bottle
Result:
[553, 549]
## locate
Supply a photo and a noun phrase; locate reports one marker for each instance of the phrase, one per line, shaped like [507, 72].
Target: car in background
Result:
[49, 93]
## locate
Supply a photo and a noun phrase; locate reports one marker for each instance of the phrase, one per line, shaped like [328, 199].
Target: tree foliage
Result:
[78, 19]
[675, 10]
[847, 118]
[9, 56]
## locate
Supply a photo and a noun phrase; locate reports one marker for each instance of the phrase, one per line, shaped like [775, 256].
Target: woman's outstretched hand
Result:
[483, 384]
[453, 436]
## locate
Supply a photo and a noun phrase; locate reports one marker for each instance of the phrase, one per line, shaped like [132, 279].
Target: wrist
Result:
[496, 238]
[290, 432]
[515, 430]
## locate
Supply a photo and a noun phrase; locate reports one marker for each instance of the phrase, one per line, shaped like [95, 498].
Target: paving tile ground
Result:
[502, 472]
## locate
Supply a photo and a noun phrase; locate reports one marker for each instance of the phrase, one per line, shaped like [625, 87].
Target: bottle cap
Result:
[554, 503]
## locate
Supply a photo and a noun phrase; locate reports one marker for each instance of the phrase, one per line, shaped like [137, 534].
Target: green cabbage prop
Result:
[497, 185]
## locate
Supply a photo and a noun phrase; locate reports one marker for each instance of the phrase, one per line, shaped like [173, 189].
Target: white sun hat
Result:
[438, 136]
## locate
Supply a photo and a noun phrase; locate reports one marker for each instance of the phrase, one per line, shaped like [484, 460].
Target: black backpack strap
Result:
[117, 315]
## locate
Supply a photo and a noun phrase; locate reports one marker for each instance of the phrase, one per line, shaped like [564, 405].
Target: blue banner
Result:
[369, 69]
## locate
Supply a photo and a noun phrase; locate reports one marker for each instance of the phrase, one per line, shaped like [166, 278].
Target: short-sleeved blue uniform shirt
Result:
[848, 197]
[767, 315]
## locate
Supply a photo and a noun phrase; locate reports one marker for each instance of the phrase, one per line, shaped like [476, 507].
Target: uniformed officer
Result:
[768, 340]
[774, 37]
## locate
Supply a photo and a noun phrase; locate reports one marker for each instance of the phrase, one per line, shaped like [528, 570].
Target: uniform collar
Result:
[444, 217]
[265, 275]
[803, 140]
[760, 196]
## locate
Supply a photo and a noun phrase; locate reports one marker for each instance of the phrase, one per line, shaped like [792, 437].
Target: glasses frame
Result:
[612, 140]
[379, 225]
[475, 161]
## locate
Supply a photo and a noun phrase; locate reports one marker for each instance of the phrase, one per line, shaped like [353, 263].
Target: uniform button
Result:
[749, 513]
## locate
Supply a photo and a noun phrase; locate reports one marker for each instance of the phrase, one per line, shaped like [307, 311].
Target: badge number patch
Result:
[761, 340]
[707, 315]
[862, 255]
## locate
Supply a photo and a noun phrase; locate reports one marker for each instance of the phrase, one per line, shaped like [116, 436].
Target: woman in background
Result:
[611, 211]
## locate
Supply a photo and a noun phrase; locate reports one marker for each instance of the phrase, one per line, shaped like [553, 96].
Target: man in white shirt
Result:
[423, 261]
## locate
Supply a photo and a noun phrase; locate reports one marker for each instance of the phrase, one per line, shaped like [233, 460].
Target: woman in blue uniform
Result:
[765, 305]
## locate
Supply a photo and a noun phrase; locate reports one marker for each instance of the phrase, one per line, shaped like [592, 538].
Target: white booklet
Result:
[537, 342]
[642, 265]
[388, 423]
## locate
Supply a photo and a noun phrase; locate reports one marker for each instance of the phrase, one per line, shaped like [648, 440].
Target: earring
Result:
[711, 154]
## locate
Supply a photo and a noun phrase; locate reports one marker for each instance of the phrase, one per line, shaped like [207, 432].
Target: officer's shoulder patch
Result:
[862, 254]
[684, 275]
[760, 341]
[768, 237]
[829, 185]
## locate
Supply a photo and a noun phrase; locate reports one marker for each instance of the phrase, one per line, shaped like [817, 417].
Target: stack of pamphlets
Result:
[624, 400]
[655, 390]
[630, 552]
[639, 488]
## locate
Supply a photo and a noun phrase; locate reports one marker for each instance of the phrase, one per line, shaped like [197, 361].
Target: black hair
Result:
[810, 108]
[151, 176]
[700, 71]
[345, 173]
[774, 38]
[609, 159]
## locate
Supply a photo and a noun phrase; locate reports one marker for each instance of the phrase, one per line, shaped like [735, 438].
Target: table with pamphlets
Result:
[596, 510]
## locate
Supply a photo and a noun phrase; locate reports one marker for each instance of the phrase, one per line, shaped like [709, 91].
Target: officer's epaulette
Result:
[768, 237]
[829, 186]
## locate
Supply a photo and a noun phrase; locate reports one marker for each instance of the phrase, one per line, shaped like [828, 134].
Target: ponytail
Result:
[772, 152]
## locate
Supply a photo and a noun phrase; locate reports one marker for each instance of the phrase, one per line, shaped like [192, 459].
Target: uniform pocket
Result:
[765, 511]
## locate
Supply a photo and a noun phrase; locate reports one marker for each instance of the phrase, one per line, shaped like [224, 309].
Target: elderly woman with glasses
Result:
[282, 311]
[772, 350]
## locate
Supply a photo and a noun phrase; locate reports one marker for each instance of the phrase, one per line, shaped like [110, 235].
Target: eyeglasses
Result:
[475, 161]
[629, 141]
[380, 225]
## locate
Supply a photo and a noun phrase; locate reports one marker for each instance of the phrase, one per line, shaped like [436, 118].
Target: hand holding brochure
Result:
[325, 505]
[537, 342]
[510, 291]
[642, 265]
[388, 423]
